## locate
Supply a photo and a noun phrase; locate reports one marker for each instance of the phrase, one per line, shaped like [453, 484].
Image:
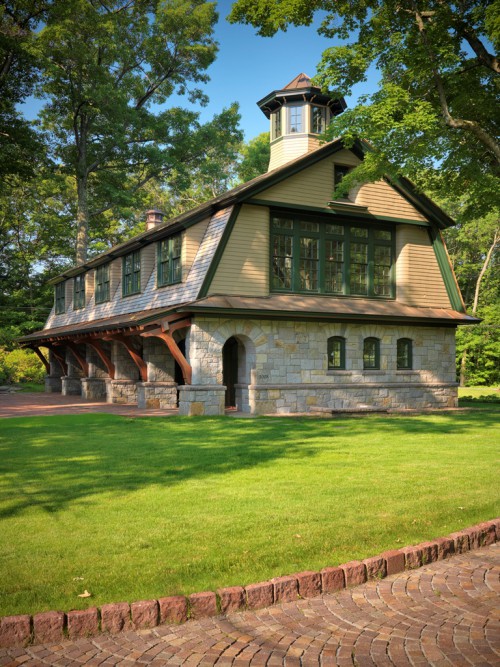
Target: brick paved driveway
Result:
[33, 404]
[444, 614]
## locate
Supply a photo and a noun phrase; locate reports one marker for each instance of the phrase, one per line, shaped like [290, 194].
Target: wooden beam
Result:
[76, 353]
[59, 358]
[136, 358]
[96, 345]
[168, 339]
[44, 361]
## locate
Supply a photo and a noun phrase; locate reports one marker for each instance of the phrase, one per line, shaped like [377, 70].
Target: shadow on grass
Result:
[51, 462]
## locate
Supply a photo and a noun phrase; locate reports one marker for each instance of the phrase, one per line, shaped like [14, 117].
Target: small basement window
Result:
[336, 353]
[371, 354]
[404, 354]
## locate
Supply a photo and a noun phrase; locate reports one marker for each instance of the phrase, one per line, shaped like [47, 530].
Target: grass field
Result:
[131, 509]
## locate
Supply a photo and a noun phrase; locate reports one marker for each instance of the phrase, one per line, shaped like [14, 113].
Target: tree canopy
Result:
[435, 115]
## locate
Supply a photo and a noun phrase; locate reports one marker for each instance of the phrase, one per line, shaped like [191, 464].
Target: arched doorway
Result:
[230, 370]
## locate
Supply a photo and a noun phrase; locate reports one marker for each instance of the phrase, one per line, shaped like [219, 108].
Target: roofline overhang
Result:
[277, 98]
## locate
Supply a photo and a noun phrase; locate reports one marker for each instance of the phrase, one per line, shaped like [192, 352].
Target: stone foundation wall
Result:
[159, 395]
[94, 388]
[71, 386]
[285, 368]
[196, 400]
[161, 364]
[125, 368]
[121, 391]
[97, 369]
[53, 385]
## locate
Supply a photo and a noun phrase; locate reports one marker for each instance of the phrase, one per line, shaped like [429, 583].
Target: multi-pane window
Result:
[276, 124]
[131, 273]
[336, 353]
[371, 354]
[312, 255]
[60, 298]
[294, 119]
[404, 354]
[79, 291]
[169, 261]
[102, 284]
[339, 172]
[318, 119]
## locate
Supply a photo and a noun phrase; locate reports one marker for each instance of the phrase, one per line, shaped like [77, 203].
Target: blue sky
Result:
[249, 67]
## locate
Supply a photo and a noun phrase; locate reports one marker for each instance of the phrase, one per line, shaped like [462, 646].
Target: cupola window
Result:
[294, 119]
[318, 119]
[276, 125]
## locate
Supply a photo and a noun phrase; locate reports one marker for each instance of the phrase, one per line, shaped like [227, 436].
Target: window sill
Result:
[162, 285]
[125, 296]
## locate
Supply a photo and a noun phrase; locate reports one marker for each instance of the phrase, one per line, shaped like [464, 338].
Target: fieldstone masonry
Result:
[159, 395]
[285, 367]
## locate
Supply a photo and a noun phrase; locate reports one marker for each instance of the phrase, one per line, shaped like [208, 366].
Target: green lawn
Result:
[131, 509]
[478, 394]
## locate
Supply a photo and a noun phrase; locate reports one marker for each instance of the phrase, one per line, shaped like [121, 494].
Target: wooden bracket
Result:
[60, 359]
[168, 339]
[136, 358]
[96, 345]
[44, 361]
[76, 353]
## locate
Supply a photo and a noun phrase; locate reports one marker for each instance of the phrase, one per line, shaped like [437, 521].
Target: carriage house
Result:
[272, 298]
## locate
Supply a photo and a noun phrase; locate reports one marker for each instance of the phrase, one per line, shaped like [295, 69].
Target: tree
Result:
[21, 146]
[105, 64]
[255, 157]
[473, 248]
[435, 114]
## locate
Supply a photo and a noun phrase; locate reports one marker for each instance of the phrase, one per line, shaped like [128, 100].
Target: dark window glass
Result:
[336, 353]
[79, 292]
[339, 171]
[318, 119]
[132, 273]
[60, 298]
[404, 354]
[276, 126]
[169, 261]
[311, 255]
[371, 354]
[102, 284]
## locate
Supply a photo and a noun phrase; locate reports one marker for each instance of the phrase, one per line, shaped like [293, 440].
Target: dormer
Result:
[298, 115]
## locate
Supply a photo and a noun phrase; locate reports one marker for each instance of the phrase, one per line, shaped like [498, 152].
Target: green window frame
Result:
[79, 292]
[60, 298]
[404, 354]
[169, 261]
[336, 353]
[276, 130]
[102, 283]
[371, 354]
[313, 255]
[131, 273]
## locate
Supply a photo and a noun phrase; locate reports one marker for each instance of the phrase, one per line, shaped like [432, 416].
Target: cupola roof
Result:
[300, 89]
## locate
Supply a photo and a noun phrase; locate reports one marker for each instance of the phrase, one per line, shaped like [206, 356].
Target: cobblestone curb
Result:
[53, 626]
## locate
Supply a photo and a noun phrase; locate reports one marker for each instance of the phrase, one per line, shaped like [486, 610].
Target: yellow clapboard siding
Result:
[190, 243]
[418, 277]
[244, 266]
[314, 187]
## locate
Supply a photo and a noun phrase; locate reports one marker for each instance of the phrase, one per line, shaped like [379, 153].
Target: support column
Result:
[198, 400]
[94, 387]
[123, 388]
[160, 389]
[53, 382]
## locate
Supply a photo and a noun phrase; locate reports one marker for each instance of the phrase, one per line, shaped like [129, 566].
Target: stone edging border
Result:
[55, 626]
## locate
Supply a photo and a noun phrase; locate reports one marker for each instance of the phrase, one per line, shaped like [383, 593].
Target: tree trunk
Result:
[82, 215]
[463, 361]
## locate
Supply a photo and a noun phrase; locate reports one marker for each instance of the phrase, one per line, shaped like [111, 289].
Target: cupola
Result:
[298, 114]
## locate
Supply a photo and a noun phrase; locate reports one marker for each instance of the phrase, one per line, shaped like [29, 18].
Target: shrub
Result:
[20, 366]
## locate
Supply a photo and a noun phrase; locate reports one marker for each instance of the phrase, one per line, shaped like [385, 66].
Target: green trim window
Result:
[336, 353]
[318, 119]
[371, 354]
[79, 292]
[169, 261]
[309, 254]
[295, 119]
[276, 124]
[339, 172]
[131, 273]
[102, 284]
[404, 354]
[60, 298]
